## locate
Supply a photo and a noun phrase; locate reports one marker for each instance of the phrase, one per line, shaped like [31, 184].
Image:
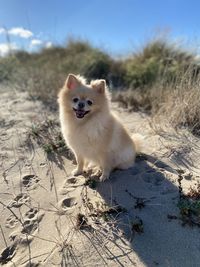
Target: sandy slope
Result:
[40, 200]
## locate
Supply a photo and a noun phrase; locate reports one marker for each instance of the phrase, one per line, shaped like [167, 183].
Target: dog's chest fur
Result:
[88, 138]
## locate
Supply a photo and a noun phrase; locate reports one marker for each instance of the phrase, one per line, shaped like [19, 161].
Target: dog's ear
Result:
[72, 82]
[99, 85]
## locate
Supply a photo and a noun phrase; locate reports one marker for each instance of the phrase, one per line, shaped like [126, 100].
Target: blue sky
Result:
[118, 26]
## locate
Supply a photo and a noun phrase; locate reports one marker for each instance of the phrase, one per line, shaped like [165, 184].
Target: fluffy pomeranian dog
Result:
[91, 130]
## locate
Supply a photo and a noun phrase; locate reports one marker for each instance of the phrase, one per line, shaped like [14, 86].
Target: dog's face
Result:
[83, 100]
[81, 106]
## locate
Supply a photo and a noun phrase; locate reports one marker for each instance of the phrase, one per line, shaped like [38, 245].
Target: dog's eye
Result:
[89, 102]
[75, 99]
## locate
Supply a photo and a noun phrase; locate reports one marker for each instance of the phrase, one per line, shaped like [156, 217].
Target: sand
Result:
[50, 218]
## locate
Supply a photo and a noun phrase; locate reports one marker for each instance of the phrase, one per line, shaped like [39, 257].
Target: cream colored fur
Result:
[98, 138]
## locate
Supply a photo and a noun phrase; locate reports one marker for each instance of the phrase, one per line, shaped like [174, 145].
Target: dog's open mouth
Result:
[80, 113]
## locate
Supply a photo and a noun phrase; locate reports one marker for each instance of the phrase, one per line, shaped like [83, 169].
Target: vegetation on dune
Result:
[158, 60]
[159, 79]
[43, 73]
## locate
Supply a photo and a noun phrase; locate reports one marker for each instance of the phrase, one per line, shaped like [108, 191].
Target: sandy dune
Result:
[50, 218]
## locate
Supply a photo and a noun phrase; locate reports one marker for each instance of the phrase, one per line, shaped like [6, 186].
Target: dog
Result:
[90, 128]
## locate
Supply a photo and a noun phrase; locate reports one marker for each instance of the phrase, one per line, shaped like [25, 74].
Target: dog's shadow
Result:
[150, 199]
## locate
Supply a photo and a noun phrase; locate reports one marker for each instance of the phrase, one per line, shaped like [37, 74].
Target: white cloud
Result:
[21, 32]
[48, 44]
[2, 30]
[35, 42]
[7, 48]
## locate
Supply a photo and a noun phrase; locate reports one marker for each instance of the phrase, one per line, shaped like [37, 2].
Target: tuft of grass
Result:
[108, 213]
[82, 222]
[91, 183]
[189, 206]
[48, 148]
[157, 59]
[163, 81]
[137, 225]
[47, 135]
[176, 102]
[181, 106]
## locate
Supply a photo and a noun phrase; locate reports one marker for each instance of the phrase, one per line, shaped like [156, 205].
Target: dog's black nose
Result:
[81, 105]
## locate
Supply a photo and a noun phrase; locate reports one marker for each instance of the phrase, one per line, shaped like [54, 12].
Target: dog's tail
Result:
[138, 141]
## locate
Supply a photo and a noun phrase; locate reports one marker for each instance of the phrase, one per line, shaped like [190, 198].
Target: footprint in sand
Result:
[169, 189]
[27, 165]
[7, 254]
[135, 170]
[31, 214]
[11, 222]
[43, 164]
[71, 184]
[19, 200]
[153, 177]
[30, 181]
[29, 227]
[67, 205]
[31, 221]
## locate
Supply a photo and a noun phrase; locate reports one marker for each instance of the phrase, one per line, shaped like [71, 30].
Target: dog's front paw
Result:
[96, 172]
[103, 177]
[77, 172]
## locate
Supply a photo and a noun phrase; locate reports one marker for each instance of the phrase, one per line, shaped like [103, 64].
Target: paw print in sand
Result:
[11, 222]
[71, 184]
[19, 200]
[30, 181]
[31, 221]
[67, 205]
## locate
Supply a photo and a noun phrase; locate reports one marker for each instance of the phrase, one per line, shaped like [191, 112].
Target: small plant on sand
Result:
[137, 225]
[47, 135]
[82, 222]
[48, 148]
[103, 211]
[189, 207]
[110, 212]
[100, 210]
[91, 183]
[35, 129]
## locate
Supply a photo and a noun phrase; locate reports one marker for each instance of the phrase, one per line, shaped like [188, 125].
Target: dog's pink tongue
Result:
[80, 113]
